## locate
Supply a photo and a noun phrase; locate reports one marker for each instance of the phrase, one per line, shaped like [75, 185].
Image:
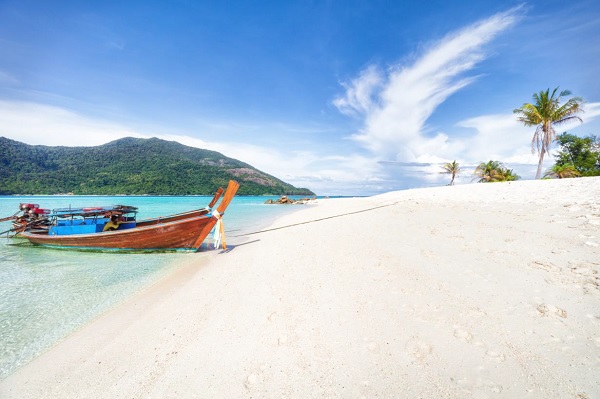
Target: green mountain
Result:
[129, 166]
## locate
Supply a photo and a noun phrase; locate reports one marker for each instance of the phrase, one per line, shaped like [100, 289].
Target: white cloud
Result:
[41, 124]
[359, 92]
[396, 107]
[591, 111]
[502, 137]
[497, 137]
[292, 167]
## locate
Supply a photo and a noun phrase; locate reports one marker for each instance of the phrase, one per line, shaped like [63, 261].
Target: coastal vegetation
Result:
[562, 171]
[494, 171]
[129, 166]
[545, 112]
[577, 156]
[451, 168]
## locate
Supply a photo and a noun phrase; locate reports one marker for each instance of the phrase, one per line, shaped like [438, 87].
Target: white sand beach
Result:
[472, 291]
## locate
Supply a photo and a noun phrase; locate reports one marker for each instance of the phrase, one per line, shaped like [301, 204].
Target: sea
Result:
[46, 294]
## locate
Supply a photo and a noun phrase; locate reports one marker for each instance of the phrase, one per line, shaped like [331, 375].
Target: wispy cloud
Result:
[395, 106]
[360, 92]
[591, 111]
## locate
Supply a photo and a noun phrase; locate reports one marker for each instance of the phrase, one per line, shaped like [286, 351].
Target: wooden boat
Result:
[33, 218]
[82, 228]
[29, 216]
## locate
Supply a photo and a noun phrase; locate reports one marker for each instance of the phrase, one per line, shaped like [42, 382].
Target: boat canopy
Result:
[94, 211]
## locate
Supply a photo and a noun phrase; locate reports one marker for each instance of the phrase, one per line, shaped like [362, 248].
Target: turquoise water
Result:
[46, 294]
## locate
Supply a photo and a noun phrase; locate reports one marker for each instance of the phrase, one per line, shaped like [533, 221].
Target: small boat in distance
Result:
[84, 228]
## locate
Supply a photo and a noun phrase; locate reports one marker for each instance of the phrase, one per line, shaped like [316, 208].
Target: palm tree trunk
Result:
[539, 168]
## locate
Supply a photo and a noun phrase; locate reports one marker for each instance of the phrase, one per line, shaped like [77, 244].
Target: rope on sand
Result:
[316, 220]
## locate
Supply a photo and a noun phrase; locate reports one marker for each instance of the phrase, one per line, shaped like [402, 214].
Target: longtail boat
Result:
[83, 228]
[27, 217]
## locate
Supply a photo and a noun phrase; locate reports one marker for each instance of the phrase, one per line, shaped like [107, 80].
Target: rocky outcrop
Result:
[284, 200]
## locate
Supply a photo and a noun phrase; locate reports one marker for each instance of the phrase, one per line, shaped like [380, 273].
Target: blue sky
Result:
[343, 97]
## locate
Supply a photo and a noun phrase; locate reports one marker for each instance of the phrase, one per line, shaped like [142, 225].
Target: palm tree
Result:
[506, 174]
[494, 171]
[451, 168]
[545, 112]
[487, 171]
[562, 171]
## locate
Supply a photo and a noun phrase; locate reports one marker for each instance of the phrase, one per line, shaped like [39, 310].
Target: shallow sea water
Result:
[46, 294]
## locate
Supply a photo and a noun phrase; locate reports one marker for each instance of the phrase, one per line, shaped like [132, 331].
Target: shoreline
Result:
[465, 291]
[59, 325]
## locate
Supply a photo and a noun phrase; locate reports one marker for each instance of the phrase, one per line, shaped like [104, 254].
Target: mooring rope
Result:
[315, 220]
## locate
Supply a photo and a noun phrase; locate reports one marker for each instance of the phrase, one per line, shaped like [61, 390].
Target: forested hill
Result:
[128, 166]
